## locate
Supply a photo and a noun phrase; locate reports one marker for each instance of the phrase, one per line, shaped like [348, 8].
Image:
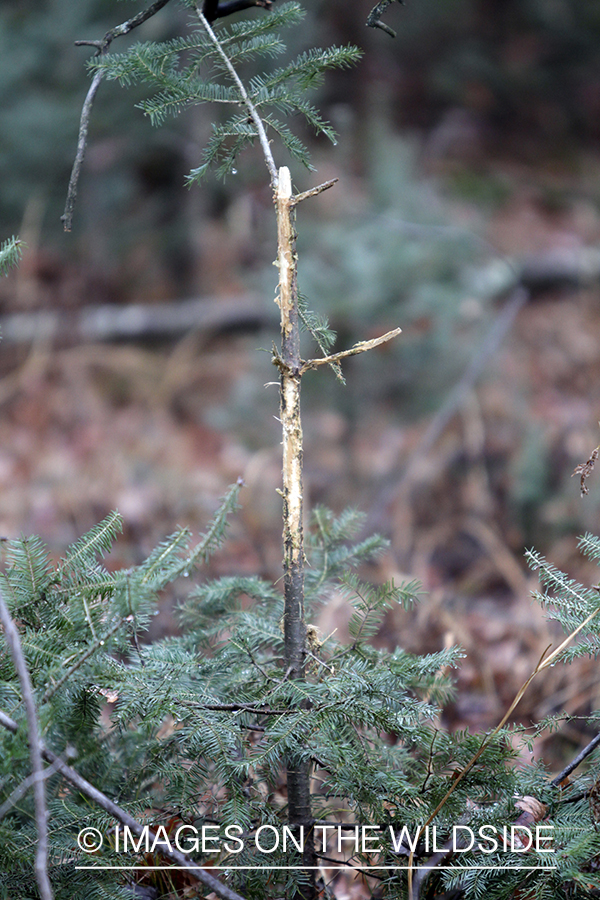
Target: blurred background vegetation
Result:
[468, 146]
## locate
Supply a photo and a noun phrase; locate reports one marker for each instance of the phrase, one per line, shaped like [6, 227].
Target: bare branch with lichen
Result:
[86, 111]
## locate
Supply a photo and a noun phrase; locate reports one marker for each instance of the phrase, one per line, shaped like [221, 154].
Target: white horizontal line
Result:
[358, 867]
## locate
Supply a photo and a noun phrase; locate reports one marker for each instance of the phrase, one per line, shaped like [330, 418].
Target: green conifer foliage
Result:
[199, 731]
[198, 726]
[10, 253]
[187, 71]
[195, 729]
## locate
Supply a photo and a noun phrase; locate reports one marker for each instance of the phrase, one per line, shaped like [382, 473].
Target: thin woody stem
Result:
[312, 192]
[583, 754]
[291, 367]
[35, 754]
[252, 111]
[298, 771]
[374, 17]
[86, 111]
[360, 347]
[295, 632]
[84, 123]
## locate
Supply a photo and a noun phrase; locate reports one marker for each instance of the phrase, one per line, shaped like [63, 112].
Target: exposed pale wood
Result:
[294, 626]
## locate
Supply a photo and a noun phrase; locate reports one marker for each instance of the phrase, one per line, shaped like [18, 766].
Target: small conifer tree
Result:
[250, 757]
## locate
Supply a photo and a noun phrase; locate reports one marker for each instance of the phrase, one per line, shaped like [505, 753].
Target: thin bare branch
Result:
[241, 707]
[9, 723]
[252, 111]
[577, 761]
[298, 198]
[360, 347]
[84, 122]
[22, 789]
[105, 803]
[86, 111]
[585, 470]
[37, 770]
[374, 18]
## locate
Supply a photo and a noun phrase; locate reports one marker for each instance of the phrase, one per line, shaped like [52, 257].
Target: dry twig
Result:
[86, 111]
[374, 18]
[360, 347]
[35, 754]
[585, 470]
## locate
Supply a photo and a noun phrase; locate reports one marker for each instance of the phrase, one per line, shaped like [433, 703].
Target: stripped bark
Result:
[290, 363]
[292, 367]
[295, 630]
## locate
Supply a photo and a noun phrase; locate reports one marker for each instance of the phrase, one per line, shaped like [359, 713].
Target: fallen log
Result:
[139, 321]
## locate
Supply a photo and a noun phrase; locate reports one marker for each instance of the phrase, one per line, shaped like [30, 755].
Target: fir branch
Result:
[35, 753]
[589, 545]
[116, 812]
[252, 111]
[27, 577]
[96, 542]
[308, 67]
[10, 254]
[291, 142]
[164, 563]
[172, 100]
[259, 45]
[212, 540]
[100, 642]
[86, 111]
[371, 604]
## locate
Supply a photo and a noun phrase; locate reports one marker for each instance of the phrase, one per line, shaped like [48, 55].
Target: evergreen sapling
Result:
[247, 755]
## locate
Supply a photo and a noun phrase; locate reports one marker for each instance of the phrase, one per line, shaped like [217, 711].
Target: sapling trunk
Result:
[289, 363]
